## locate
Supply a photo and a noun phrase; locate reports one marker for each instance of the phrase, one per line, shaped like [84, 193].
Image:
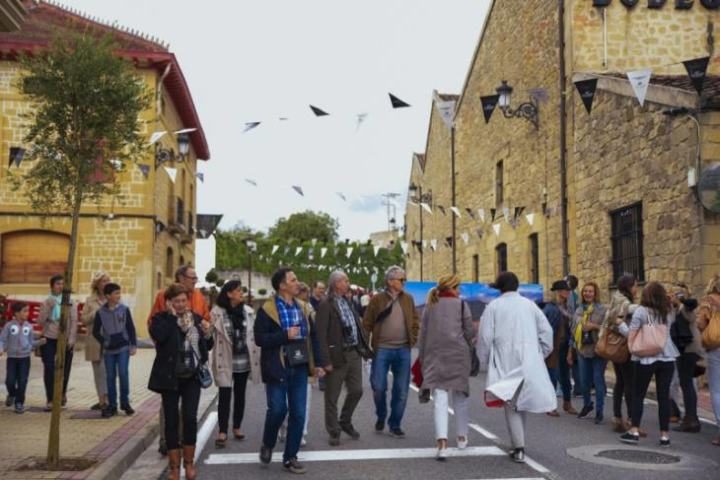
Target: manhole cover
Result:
[639, 456]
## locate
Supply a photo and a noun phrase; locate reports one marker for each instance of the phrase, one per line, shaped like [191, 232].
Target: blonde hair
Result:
[713, 285]
[446, 282]
[96, 278]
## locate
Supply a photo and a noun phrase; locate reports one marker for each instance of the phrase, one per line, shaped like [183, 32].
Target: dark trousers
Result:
[48, 352]
[18, 370]
[686, 371]
[188, 392]
[624, 375]
[286, 398]
[563, 373]
[349, 374]
[663, 372]
[237, 394]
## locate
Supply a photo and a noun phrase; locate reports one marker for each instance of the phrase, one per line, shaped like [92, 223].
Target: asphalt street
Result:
[557, 448]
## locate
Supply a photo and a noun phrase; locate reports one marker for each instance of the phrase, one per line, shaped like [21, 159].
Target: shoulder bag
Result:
[649, 339]
[612, 345]
[711, 334]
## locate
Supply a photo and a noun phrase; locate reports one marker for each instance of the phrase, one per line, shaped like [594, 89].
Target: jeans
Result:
[116, 365]
[396, 360]
[460, 403]
[237, 392]
[189, 392]
[713, 373]
[592, 372]
[48, 352]
[18, 370]
[624, 380]
[286, 398]
[563, 373]
[663, 372]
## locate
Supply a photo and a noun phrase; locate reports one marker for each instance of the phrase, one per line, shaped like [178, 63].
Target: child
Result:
[115, 331]
[18, 340]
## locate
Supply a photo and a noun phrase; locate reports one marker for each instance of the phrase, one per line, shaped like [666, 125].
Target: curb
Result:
[114, 467]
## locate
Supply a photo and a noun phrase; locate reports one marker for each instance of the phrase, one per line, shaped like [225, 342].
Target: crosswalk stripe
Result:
[369, 454]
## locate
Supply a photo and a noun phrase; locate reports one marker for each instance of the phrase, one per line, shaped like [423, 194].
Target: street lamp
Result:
[419, 197]
[526, 110]
[183, 140]
[251, 246]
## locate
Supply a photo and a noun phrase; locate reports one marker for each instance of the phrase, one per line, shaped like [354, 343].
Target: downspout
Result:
[563, 140]
[452, 183]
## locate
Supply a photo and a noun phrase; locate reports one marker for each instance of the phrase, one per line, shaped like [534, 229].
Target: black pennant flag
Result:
[318, 112]
[492, 214]
[16, 156]
[697, 69]
[442, 209]
[470, 212]
[488, 105]
[396, 102]
[145, 169]
[586, 89]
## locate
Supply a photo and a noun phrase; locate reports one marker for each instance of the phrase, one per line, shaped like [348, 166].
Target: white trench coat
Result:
[515, 337]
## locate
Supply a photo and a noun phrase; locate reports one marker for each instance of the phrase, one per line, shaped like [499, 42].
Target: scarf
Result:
[55, 312]
[587, 311]
[192, 336]
[238, 330]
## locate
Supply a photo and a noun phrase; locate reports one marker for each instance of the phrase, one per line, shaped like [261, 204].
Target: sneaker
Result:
[462, 443]
[109, 412]
[265, 455]
[397, 432]
[441, 454]
[350, 430]
[585, 411]
[664, 442]
[19, 408]
[9, 401]
[598, 419]
[127, 409]
[518, 455]
[293, 466]
[334, 440]
[630, 438]
[379, 426]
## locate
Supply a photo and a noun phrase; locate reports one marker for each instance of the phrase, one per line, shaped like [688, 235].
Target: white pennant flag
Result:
[433, 244]
[359, 261]
[275, 249]
[640, 80]
[404, 246]
[496, 229]
[456, 211]
[466, 237]
[323, 251]
[530, 217]
[426, 207]
[172, 172]
[298, 250]
[376, 249]
[447, 111]
[506, 214]
[349, 252]
[424, 243]
[481, 214]
[156, 136]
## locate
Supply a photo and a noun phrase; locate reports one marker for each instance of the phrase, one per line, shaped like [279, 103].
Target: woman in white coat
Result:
[515, 338]
[235, 357]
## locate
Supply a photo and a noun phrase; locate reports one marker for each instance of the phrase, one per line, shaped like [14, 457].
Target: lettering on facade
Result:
[658, 4]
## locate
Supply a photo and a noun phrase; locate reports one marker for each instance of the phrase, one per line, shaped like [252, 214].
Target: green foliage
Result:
[212, 276]
[263, 291]
[84, 124]
[305, 226]
[220, 282]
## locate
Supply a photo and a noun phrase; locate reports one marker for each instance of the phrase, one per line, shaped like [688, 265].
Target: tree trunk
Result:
[53, 455]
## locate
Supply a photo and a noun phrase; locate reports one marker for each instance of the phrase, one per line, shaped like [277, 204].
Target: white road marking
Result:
[203, 436]
[513, 478]
[483, 432]
[368, 454]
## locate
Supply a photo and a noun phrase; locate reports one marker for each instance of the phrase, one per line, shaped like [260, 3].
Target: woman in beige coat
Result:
[235, 357]
[93, 351]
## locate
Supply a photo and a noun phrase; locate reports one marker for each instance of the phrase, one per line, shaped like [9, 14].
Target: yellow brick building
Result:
[592, 194]
[140, 237]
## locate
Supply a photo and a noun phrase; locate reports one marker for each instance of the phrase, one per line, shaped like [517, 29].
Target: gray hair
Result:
[335, 277]
[392, 273]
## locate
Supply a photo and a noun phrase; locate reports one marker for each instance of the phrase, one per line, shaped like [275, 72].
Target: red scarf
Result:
[448, 294]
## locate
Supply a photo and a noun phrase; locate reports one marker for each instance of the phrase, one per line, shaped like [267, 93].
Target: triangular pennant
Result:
[250, 125]
[275, 248]
[697, 70]
[156, 136]
[518, 212]
[465, 237]
[16, 156]
[496, 229]
[360, 119]
[145, 169]
[376, 249]
[488, 105]
[447, 111]
[479, 232]
[586, 89]
[470, 212]
[426, 207]
[318, 111]
[323, 252]
[442, 209]
[298, 190]
[640, 81]
[481, 214]
[286, 251]
[116, 164]
[298, 251]
[200, 176]
[313, 241]
[492, 214]
[433, 244]
[396, 102]
[203, 233]
[343, 197]
[530, 217]
[449, 241]
[404, 246]
[359, 261]
[172, 172]
[506, 214]
[349, 252]
[456, 211]
[251, 182]
[424, 243]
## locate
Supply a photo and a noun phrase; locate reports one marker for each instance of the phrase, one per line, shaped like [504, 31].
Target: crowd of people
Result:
[325, 333]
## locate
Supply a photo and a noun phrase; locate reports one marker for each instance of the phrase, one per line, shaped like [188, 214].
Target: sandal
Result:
[220, 441]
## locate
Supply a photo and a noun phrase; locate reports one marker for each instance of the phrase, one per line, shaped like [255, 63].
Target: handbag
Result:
[612, 346]
[711, 334]
[649, 339]
[297, 353]
[203, 373]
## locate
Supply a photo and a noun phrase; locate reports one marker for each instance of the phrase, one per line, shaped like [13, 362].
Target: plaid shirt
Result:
[350, 333]
[291, 315]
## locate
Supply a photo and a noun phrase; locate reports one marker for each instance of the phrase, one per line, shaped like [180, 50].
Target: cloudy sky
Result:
[261, 60]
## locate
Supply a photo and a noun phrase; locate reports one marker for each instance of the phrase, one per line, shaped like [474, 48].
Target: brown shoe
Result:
[173, 464]
[619, 426]
[643, 433]
[568, 408]
[189, 462]
[554, 413]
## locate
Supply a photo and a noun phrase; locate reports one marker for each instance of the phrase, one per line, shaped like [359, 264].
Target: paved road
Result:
[553, 447]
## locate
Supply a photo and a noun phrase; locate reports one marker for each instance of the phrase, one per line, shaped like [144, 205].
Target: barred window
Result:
[476, 268]
[534, 258]
[501, 257]
[627, 242]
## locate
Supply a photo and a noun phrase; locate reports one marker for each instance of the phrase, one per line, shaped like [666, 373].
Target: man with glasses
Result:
[187, 277]
[392, 322]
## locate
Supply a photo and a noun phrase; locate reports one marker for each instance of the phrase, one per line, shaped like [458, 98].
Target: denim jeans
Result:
[116, 365]
[396, 360]
[18, 370]
[563, 372]
[286, 398]
[592, 371]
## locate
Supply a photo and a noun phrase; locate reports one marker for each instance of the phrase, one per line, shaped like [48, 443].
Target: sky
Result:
[249, 61]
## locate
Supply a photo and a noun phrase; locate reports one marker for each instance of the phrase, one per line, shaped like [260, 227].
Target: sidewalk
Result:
[82, 432]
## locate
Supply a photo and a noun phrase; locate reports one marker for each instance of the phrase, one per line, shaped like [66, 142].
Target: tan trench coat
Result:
[93, 350]
[221, 354]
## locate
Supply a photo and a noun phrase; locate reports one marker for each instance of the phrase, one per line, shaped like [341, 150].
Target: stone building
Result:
[566, 191]
[143, 235]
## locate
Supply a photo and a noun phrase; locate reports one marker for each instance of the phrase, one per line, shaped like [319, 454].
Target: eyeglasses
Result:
[401, 280]
[194, 279]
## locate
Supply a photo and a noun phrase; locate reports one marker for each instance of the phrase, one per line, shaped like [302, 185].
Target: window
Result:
[534, 258]
[182, 261]
[33, 256]
[499, 194]
[627, 242]
[476, 268]
[501, 257]
[159, 280]
[169, 265]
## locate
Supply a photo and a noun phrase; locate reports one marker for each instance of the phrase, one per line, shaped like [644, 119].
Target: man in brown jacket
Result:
[392, 322]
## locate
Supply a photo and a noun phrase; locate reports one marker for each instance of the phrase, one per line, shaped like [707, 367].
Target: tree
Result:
[304, 227]
[82, 130]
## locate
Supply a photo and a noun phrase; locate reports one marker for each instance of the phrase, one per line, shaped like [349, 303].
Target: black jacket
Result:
[168, 340]
[329, 326]
[271, 338]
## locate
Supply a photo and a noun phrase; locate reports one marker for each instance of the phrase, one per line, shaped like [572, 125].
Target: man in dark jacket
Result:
[560, 317]
[289, 350]
[342, 343]
[393, 324]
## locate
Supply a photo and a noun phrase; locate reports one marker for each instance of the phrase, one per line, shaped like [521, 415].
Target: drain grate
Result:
[647, 457]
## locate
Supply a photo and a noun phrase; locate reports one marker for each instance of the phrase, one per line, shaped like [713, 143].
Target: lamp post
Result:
[527, 110]
[251, 246]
